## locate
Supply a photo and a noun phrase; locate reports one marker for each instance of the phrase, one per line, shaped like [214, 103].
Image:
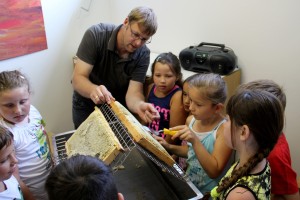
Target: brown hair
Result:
[213, 85]
[146, 17]
[13, 79]
[262, 112]
[269, 86]
[6, 137]
[173, 62]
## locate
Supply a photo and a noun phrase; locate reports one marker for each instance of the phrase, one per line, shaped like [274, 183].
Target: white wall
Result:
[265, 36]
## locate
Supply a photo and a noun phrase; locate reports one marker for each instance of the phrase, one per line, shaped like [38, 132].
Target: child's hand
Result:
[184, 133]
[161, 140]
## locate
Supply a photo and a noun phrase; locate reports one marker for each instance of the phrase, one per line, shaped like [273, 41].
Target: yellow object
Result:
[168, 132]
[214, 193]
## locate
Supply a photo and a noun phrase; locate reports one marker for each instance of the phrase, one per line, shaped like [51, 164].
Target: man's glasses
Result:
[136, 36]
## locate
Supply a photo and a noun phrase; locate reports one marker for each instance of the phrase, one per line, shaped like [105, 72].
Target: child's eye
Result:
[9, 105]
[23, 101]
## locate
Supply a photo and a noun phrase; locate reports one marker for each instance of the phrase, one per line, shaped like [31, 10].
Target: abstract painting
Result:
[22, 28]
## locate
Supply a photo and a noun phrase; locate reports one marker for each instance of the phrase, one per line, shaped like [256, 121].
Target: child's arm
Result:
[178, 150]
[177, 114]
[25, 190]
[240, 193]
[213, 163]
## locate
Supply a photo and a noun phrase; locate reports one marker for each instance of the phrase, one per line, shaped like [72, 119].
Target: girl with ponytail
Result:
[255, 121]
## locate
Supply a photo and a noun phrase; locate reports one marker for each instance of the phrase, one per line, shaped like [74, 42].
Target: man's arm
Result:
[82, 84]
[135, 101]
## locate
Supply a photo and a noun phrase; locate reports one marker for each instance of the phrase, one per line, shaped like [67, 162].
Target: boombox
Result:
[208, 57]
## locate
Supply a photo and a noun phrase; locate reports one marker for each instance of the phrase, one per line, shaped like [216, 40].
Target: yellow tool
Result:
[168, 132]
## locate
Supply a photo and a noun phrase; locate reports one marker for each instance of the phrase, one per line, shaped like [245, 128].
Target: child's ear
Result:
[245, 133]
[219, 107]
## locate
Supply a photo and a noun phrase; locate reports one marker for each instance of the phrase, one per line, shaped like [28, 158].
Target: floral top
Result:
[258, 184]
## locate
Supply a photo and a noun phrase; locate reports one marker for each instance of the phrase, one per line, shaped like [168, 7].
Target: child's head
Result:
[14, 96]
[81, 177]
[258, 112]
[8, 161]
[185, 93]
[207, 93]
[166, 70]
[269, 86]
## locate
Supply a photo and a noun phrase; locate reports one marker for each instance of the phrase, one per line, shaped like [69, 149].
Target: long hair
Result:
[262, 112]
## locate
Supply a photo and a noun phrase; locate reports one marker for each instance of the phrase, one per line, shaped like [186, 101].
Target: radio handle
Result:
[222, 46]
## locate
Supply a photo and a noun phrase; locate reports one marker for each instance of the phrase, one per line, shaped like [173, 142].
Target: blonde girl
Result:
[208, 156]
[26, 124]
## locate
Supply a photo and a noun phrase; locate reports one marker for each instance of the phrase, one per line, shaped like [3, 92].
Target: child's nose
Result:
[17, 109]
[13, 159]
[162, 79]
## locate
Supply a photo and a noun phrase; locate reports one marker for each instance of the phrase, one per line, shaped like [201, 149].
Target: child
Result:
[82, 177]
[185, 93]
[208, 157]
[27, 126]
[9, 186]
[186, 106]
[253, 127]
[165, 93]
[283, 177]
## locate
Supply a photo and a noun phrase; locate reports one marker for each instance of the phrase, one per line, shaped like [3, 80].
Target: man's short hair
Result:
[146, 17]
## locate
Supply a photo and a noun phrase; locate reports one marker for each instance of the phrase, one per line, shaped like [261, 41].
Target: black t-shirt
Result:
[98, 48]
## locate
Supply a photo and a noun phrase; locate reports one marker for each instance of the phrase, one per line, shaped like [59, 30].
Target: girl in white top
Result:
[27, 126]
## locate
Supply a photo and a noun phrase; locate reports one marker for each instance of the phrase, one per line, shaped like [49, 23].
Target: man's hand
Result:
[101, 95]
[147, 112]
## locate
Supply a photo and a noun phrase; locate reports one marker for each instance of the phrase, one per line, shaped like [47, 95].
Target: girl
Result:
[254, 125]
[186, 106]
[207, 153]
[165, 93]
[185, 93]
[27, 126]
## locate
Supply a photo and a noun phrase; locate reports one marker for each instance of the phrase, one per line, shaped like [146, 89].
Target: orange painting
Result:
[22, 28]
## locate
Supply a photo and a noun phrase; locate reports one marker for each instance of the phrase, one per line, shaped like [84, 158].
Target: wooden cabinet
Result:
[233, 80]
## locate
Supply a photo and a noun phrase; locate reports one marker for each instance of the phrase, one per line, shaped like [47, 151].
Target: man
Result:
[112, 65]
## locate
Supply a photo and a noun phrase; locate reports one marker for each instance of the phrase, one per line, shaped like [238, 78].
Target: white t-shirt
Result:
[13, 190]
[32, 151]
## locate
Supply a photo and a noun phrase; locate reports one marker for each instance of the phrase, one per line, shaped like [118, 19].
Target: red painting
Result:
[22, 28]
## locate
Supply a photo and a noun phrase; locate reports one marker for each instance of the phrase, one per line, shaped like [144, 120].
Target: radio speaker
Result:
[208, 57]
